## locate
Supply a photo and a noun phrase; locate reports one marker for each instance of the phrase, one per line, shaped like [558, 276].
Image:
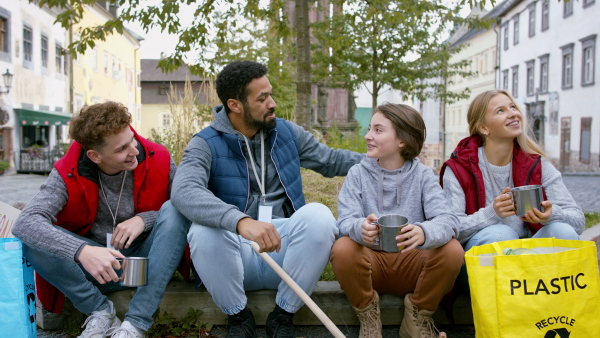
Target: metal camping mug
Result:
[134, 271]
[526, 198]
[389, 227]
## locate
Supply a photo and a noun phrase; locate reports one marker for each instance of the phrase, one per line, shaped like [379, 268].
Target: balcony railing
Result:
[40, 163]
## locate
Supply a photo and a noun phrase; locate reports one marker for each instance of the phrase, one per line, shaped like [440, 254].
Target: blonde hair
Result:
[476, 117]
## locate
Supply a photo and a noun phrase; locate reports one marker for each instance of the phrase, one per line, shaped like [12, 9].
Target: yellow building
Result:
[111, 70]
[156, 87]
[479, 47]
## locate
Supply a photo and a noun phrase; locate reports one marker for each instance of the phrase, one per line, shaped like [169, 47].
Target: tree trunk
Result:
[304, 116]
[374, 95]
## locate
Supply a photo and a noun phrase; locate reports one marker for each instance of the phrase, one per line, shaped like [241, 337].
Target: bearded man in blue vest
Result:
[107, 198]
[239, 181]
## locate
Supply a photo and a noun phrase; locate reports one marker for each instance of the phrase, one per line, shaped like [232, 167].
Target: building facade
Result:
[548, 62]
[111, 70]
[479, 49]
[34, 111]
[156, 89]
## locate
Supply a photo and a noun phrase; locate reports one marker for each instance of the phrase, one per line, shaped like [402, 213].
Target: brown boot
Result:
[418, 324]
[370, 319]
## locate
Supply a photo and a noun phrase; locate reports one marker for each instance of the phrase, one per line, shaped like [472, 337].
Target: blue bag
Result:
[17, 299]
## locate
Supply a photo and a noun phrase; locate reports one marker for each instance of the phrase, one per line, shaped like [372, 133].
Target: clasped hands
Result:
[102, 262]
[411, 235]
[504, 207]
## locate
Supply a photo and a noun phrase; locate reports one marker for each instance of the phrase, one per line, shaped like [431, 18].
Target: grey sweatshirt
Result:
[190, 194]
[34, 226]
[412, 191]
[564, 208]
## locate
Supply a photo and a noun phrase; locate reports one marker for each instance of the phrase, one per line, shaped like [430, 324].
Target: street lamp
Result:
[7, 81]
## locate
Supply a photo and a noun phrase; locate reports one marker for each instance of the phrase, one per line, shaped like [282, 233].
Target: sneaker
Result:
[370, 319]
[418, 324]
[240, 327]
[126, 330]
[280, 325]
[99, 322]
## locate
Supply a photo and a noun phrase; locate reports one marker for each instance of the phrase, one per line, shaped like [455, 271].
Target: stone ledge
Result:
[180, 296]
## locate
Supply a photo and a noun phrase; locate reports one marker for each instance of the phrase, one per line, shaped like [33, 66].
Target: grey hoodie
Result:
[190, 194]
[412, 191]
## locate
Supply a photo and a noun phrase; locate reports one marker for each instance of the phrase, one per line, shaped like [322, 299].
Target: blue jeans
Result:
[502, 232]
[164, 246]
[228, 265]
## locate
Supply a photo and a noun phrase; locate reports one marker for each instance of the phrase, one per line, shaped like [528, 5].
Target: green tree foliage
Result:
[394, 42]
[388, 42]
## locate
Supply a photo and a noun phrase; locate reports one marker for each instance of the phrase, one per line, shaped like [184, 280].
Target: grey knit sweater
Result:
[34, 226]
[564, 208]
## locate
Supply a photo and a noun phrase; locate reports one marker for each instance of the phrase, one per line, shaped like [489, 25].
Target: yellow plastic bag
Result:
[554, 293]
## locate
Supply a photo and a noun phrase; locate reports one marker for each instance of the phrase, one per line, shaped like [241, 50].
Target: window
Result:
[505, 32]
[588, 45]
[58, 58]
[584, 141]
[545, 14]
[166, 119]
[27, 47]
[544, 74]
[516, 29]
[567, 8]
[44, 52]
[3, 39]
[505, 79]
[530, 77]
[66, 63]
[106, 62]
[95, 59]
[532, 19]
[515, 81]
[587, 3]
[5, 30]
[567, 66]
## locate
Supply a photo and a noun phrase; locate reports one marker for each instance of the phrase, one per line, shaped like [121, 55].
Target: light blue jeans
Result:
[164, 246]
[502, 232]
[228, 265]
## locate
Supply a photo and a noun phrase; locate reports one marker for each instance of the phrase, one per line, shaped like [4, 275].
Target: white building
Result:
[548, 62]
[34, 109]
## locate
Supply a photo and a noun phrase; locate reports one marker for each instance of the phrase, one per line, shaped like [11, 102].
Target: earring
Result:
[485, 133]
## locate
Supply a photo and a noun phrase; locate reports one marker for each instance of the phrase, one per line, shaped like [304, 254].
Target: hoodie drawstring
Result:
[380, 189]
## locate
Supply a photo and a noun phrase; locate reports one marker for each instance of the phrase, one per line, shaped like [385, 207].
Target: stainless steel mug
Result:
[526, 198]
[134, 271]
[389, 228]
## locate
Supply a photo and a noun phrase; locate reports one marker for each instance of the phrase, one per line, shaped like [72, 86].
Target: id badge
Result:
[265, 213]
[108, 239]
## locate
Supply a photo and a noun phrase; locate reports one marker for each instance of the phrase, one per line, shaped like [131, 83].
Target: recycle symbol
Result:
[558, 333]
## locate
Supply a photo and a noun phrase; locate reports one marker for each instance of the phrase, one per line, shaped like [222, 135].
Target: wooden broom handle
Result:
[305, 298]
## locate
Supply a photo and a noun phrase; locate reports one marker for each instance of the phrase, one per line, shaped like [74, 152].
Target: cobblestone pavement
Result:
[585, 190]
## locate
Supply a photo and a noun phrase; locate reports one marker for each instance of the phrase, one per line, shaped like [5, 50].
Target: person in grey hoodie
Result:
[391, 180]
[239, 181]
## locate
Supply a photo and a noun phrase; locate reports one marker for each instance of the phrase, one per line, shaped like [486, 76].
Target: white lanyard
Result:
[261, 183]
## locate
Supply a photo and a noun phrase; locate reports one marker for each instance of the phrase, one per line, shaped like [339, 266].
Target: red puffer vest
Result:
[80, 174]
[464, 162]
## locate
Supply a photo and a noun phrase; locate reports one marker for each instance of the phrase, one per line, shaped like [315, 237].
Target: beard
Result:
[260, 124]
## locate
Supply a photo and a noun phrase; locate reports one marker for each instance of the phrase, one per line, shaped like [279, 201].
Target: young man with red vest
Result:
[107, 198]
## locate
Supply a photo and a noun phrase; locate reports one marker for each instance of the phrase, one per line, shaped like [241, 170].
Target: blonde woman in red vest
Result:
[497, 156]
[107, 198]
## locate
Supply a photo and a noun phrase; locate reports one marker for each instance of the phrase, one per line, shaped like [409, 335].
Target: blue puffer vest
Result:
[229, 178]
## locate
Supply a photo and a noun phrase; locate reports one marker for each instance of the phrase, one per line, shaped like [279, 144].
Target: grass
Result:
[591, 219]
[322, 190]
